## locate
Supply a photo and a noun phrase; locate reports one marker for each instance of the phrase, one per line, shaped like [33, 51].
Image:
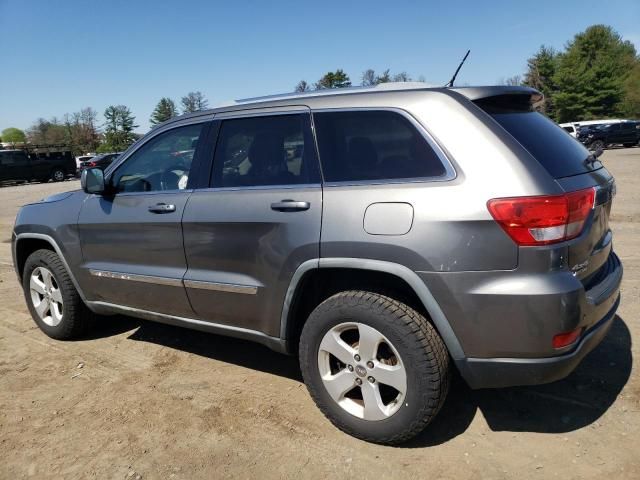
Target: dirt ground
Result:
[144, 400]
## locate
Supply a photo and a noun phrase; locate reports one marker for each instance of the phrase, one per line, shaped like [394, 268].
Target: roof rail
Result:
[389, 86]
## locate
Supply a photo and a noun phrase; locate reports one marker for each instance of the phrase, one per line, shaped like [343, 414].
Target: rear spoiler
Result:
[507, 97]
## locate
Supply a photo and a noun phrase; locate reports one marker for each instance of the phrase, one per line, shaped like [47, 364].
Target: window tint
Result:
[163, 163]
[373, 145]
[561, 155]
[266, 150]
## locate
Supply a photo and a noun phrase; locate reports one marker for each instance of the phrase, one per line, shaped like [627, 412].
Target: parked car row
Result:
[600, 134]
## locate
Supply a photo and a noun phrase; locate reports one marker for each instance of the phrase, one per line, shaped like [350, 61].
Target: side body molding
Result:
[418, 286]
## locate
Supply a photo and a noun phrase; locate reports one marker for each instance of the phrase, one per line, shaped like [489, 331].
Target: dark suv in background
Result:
[624, 133]
[20, 166]
[356, 229]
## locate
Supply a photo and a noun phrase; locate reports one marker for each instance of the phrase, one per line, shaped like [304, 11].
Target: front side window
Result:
[163, 163]
[373, 145]
[266, 150]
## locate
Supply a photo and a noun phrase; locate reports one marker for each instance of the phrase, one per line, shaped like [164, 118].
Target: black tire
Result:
[57, 174]
[422, 353]
[76, 317]
[627, 145]
[597, 144]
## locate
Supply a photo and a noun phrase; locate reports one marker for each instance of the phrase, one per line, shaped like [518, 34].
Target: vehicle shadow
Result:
[560, 407]
[563, 406]
[224, 349]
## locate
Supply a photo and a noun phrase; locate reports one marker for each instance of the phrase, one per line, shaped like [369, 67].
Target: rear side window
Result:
[560, 154]
[261, 151]
[373, 145]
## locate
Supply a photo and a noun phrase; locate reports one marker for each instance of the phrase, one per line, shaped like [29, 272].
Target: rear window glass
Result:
[373, 145]
[560, 154]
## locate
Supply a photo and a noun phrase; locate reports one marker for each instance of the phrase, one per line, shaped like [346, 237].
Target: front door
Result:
[246, 235]
[131, 239]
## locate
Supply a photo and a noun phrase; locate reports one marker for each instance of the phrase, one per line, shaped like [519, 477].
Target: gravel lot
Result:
[144, 400]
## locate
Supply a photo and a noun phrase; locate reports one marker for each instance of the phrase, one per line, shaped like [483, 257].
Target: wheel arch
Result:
[27, 243]
[290, 324]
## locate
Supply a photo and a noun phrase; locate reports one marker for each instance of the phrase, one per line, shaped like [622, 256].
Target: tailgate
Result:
[590, 251]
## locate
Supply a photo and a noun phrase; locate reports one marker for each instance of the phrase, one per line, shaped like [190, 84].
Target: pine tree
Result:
[165, 109]
[118, 128]
[591, 75]
[337, 79]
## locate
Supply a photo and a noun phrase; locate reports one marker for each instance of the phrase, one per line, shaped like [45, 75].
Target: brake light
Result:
[91, 164]
[543, 219]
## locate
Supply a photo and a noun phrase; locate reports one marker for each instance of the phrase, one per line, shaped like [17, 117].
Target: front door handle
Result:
[162, 208]
[290, 206]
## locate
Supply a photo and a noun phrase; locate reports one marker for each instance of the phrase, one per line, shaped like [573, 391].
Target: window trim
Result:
[205, 122]
[450, 171]
[308, 130]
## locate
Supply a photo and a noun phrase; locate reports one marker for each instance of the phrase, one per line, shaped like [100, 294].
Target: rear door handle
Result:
[290, 206]
[162, 208]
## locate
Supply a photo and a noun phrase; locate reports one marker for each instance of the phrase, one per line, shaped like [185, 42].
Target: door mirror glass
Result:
[92, 180]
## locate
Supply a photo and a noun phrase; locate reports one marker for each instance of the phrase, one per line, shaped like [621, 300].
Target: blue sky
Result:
[60, 56]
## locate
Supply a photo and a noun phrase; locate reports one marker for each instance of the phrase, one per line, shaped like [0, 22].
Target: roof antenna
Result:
[453, 79]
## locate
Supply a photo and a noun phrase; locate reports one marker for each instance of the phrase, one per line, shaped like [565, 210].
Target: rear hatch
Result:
[570, 163]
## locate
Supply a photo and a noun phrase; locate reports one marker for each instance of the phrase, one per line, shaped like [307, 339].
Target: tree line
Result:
[596, 76]
[339, 79]
[84, 132]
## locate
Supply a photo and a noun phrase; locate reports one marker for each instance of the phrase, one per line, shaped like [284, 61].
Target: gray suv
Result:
[385, 235]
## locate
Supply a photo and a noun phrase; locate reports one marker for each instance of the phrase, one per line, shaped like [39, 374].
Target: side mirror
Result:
[92, 181]
[599, 151]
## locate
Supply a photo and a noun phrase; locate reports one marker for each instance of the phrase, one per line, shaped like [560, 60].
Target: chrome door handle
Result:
[162, 208]
[290, 206]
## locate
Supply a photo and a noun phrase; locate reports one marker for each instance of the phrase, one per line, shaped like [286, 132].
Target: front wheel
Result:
[53, 301]
[375, 367]
[596, 145]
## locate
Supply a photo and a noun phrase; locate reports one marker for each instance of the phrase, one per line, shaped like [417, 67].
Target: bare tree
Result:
[369, 78]
[302, 86]
[401, 77]
[194, 102]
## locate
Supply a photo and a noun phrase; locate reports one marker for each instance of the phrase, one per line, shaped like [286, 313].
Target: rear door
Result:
[131, 238]
[258, 221]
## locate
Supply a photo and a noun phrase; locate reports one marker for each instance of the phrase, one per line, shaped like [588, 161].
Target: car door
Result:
[246, 235]
[627, 133]
[131, 237]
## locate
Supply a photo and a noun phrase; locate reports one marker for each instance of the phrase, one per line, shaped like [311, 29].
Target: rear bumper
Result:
[506, 372]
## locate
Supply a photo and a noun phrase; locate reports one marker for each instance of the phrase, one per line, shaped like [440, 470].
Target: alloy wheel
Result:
[46, 296]
[362, 371]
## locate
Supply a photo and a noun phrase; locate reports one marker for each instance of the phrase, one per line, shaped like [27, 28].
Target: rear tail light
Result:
[543, 219]
[563, 339]
[91, 164]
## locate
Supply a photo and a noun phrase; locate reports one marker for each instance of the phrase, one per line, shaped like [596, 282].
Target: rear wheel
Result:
[374, 366]
[627, 145]
[57, 175]
[53, 301]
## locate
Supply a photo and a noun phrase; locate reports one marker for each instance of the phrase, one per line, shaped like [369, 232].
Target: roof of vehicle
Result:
[326, 97]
